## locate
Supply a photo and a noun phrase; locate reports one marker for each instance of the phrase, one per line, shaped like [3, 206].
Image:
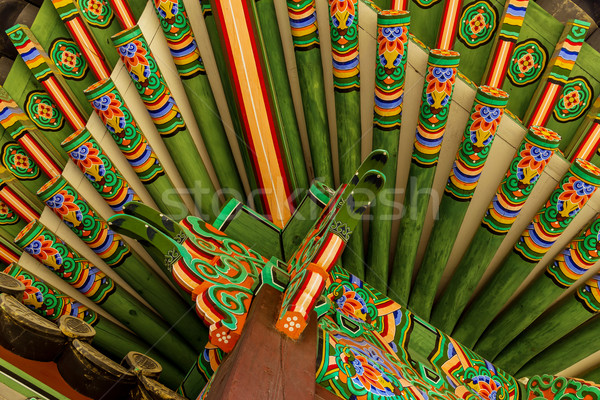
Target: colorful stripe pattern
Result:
[87, 154]
[19, 127]
[180, 38]
[123, 13]
[487, 111]
[303, 22]
[587, 138]
[149, 82]
[67, 10]
[572, 192]
[577, 258]
[343, 21]
[531, 159]
[448, 24]
[508, 34]
[255, 108]
[66, 202]
[435, 102]
[557, 73]
[589, 294]
[108, 103]
[46, 300]
[16, 203]
[392, 39]
[61, 259]
[45, 71]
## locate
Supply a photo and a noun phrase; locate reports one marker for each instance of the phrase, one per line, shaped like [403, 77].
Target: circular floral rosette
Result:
[343, 22]
[392, 39]
[478, 23]
[68, 59]
[108, 103]
[426, 3]
[44, 113]
[479, 134]
[578, 257]
[66, 202]
[528, 62]
[51, 251]
[87, 154]
[18, 162]
[97, 13]
[574, 100]
[46, 300]
[529, 162]
[435, 103]
[568, 198]
[7, 215]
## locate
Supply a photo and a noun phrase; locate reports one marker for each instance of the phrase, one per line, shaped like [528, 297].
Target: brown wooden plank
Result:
[265, 364]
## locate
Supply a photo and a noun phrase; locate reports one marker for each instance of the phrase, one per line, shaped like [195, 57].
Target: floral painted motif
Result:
[44, 113]
[108, 108]
[18, 162]
[7, 215]
[68, 59]
[478, 24]
[575, 194]
[486, 113]
[42, 249]
[435, 104]
[303, 22]
[575, 99]
[570, 195]
[485, 122]
[343, 21]
[86, 158]
[97, 13]
[528, 62]
[63, 204]
[390, 68]
[134, 57]
[531, 159]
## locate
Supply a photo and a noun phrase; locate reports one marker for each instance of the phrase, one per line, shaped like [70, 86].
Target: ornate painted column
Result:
[150, 84]
[89, 157]
[532, 157]
[94, 231]
[186, 55]
[305, 36]
[343, 24]
[504, 43]
[390, 73]
[244, 64]
[16, 124]
[571, 348]
[46, 72]
[107, 102]
[556, 74]
[51, 251]
[478, 136]
[572, 192]
[74, 21]
[565, 316]
[560, 274]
